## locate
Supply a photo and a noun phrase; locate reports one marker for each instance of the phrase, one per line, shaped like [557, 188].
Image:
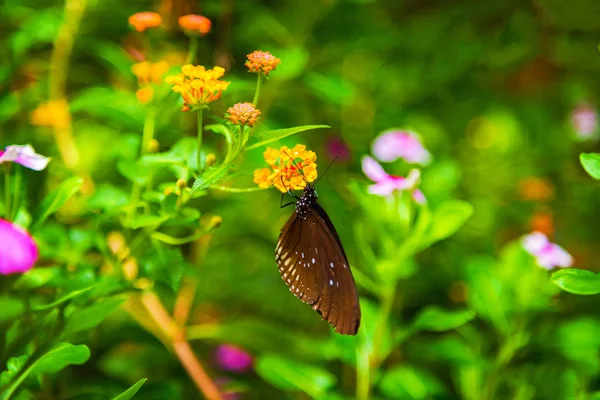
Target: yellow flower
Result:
[145, 94]
[145, 20]
[262, 62]
[197, 85]
[147, 72]
[53, 114]
[193, 23]
[290, 169]
[243, 114]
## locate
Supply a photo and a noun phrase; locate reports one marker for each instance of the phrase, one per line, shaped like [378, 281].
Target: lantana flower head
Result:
[548, 255]
[145, 20]
[585, 122]
[24, 155]
[386, 184]
[243, 114]
[262, 62]
[198, 86]
[18, 252]
[289, 169]
[194, 23]
[52, 114]
[148, 73]
[395, 144]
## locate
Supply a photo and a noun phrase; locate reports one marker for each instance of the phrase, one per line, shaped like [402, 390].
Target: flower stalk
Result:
[200, 116]
[258, 87]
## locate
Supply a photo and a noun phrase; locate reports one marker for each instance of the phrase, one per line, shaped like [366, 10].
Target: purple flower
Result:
[386, 184]
[547, 254]
[24, 155]
[232, 358]
[392, 145]
[336, 147]
[585, 121]
[18, 251]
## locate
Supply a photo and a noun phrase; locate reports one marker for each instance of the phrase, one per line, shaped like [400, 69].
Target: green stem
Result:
[177, 241]
[387, 302]
[199, 155]
[258, 86]
[16, 193]
[147, 136]
[7, 194]
[363, 372]
[193, 50]
[235, 190]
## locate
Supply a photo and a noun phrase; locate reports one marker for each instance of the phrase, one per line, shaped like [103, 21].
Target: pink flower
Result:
[24, 155]
[336, 147]
[548, 255]
[585, 121]
[386, 184]
[232, 358]
[392, 145]
[18, 251]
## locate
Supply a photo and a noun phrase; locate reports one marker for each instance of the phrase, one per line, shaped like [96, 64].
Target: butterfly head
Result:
[308, 198]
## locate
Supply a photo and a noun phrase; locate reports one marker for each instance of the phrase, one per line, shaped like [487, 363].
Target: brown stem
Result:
[180, 345]
[183, 304]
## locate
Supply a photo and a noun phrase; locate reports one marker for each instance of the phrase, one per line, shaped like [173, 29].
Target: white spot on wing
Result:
[331, 264]
[286, 262]
[302, 254]
[331, 282]
[314, 261]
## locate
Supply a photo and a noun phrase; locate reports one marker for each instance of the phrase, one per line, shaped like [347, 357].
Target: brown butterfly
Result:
[313, 264]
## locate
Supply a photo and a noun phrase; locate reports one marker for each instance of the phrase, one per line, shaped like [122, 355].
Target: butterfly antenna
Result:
[329, 166]
[299, 169]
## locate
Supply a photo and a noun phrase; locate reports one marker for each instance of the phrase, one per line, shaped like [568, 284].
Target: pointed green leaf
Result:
[10, 308]
[289, 374]
[210, 176]
[55, 199]
[57, 358]
[446, 220]
[142, 221]
[89, 317]
[129, 393]
[591, 163]
[61, 299]
[577, 281]
[274, 135]
[437, 319]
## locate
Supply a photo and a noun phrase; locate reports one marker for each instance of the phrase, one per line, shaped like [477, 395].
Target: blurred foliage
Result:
[452, 306]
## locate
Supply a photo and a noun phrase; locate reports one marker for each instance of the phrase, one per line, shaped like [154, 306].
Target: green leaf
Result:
[59, 357]
[89, 317]
[141, 221]
[210, 176]
[129, 393]
[437, 319]
[288, 374]
[36, 278]
[55, 199]
[10, 308]
[591, 163]
[446, 220]
[133, 171]
[61, 299]
[14, 365]
[577, 281]
[410, 383]
[274, 135]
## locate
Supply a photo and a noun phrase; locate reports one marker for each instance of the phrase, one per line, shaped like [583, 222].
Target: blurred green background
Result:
[491, 87]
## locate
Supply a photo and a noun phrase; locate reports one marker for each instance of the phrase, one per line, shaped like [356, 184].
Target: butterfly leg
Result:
[281, 205]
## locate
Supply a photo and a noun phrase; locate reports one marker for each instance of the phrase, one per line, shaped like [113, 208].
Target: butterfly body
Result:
[313, 264]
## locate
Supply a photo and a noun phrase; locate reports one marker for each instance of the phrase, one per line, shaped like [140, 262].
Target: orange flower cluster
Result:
[148, 73]
[198, 86]
[290, 169]
[536, 189]
[194, 23]
[145, 20]
[262, 62]
[243, 114]
[53, 114]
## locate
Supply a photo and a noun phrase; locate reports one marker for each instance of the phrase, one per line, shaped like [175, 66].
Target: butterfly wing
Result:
[314, 265]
